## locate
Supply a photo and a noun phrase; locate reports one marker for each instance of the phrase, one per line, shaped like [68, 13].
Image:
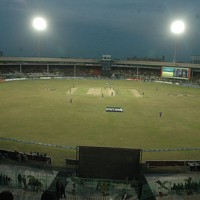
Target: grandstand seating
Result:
[19, 156]
[32, 71]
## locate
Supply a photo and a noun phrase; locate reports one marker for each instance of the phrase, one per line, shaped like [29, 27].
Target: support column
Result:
[191, 76]
[77, 159]
[74, 70]
[20, 68]
[47, 69]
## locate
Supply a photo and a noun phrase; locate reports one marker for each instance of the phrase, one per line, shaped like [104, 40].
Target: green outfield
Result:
[72, 113]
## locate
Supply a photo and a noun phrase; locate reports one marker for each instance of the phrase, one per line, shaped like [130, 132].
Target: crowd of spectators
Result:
[34, 71]
[189, 186]
[4, 179]
[56, 70]
[88, 71]
[196, 78]
[134, 73]
[19, 156]
[61, 70]
[9, 69]
[60, 190]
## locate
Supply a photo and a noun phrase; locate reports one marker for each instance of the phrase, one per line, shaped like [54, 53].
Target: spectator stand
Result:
[172, 185]
[26, 177]
[166, 163]
[35, 158]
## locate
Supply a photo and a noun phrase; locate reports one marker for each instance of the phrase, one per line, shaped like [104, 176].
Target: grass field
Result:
[40, 110]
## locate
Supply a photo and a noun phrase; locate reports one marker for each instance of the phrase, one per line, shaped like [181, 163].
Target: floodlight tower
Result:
[39, 24]
[177, 27]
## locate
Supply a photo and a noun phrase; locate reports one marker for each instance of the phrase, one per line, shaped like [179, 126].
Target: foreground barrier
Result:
[162, 163]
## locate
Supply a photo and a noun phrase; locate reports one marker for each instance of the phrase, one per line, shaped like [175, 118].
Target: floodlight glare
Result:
[177, 27]
[39, 23]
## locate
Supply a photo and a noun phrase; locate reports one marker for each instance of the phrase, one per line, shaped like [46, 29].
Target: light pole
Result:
[39, 24]
[177, 27]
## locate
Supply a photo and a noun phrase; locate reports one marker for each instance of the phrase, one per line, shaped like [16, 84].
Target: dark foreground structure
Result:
[109, 163]
[101, 173]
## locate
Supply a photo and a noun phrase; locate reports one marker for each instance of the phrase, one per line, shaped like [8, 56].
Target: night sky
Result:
[91, 28]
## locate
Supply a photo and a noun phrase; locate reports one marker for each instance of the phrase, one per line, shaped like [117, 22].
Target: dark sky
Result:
[91, 28]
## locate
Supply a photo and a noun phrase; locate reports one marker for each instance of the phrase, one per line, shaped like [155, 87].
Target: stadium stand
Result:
[144, 187]
[19, 156]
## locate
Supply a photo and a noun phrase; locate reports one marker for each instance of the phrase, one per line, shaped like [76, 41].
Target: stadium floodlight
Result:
[40, 25]
[177, 27]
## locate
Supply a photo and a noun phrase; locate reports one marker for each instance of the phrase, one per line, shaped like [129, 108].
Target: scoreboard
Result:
[176, 72]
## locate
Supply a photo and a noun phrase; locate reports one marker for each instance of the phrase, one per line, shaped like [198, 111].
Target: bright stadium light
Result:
[39, 23]
[177, 27]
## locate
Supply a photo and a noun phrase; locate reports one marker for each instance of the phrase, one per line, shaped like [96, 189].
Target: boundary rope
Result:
[70, 147]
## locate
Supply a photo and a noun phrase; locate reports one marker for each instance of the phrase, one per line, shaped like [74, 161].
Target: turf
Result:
[40, 110]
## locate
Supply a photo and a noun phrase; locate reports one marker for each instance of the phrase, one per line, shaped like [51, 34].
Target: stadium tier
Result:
[32, 67]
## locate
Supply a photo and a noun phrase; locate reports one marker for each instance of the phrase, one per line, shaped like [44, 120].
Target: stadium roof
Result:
[86, 61]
